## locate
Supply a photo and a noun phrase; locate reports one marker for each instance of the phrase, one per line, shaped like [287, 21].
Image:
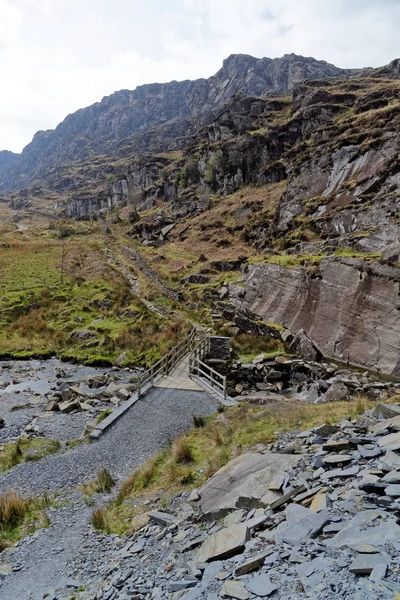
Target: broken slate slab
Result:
[234, 589]
[224, 543]
[161, 518]
[261, 586]
[393, 491]
[336, 459]
[390, 442]
[253, 563]
[301, 524]
[364, 564]
[366, 527]
[243, 483]
[391, 461]
[286, 497]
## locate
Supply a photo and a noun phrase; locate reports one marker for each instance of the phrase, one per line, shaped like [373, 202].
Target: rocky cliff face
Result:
[174, 109]
[349, 307]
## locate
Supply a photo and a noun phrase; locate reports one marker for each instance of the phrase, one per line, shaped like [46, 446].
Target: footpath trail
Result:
[161, 415]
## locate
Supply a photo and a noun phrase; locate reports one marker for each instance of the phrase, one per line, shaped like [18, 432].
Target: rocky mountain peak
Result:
[156, 117]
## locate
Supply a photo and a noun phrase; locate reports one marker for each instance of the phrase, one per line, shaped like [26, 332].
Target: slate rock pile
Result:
[56, 399]
[264, 380]
[330, 529]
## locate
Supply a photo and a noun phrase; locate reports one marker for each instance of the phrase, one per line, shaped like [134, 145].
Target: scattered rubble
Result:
[332, 532]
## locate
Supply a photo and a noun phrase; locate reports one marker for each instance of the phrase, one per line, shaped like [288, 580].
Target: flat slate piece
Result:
[261, 586]
[367, 527]
[390, 442]
[301, 523]
[243, 483]
[224, 543]
[234, 589]
[364, 564]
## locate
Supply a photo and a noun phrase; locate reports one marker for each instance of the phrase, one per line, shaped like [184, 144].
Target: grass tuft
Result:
[19, 516]
[181, 451]
[199, 421]
[99, 520]
[104, 481]
[103, 415]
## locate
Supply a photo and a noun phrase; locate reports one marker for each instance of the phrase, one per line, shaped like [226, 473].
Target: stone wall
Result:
[350, 308]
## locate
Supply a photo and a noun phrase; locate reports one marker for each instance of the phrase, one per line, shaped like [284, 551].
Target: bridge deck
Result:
[179, 378]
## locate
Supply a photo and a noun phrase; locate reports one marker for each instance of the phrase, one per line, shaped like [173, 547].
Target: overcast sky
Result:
[60, 55]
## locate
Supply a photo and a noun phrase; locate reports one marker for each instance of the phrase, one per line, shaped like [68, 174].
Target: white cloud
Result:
[59, 55]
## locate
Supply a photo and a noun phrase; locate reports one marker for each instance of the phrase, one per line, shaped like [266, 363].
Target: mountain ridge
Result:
[104, 126]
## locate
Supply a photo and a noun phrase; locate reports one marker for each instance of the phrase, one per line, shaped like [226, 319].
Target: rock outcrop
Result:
[349, 307]
[155, 116]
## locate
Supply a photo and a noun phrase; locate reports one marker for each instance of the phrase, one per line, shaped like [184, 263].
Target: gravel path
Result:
[158, 417]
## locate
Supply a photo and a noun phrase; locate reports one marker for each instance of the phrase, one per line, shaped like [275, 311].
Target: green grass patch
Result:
[20, 516]
[25, 450]
[208, 448]
[103, 415]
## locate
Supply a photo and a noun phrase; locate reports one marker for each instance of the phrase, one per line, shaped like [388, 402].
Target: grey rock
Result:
[161, 518]
[225, 543]
[336, 393]
[243, 483]
[253, 563]
[234, 589]
[364, 564]
[390, 442]
[393, 491]
[367, 527]
[301, 524]
[261, 585]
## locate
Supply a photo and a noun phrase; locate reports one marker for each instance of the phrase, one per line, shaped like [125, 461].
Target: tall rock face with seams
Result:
[156, 117]
[349, 307]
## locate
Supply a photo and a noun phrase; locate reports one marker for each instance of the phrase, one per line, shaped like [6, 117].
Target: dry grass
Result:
[99, 520]
[199, 421]
[181, 451]
[197, 455]
[103, 483]
[19, 515]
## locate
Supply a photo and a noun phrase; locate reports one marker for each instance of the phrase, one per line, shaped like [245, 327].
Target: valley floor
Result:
[160, 416]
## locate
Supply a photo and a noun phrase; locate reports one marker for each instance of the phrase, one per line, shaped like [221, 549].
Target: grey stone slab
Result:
[392, 477]
[243, 483]
[366, 527]
[253, 563]
[225, 543]
[337, 459]
[234, 589]
[390, 442]
[286, 497]
[364, 564]
[378, 573]
[393, 491]
[161, 518]
[261, 586]
[391, 461]
[300, 525]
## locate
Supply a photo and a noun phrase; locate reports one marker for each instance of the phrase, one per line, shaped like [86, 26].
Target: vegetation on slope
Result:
[20, 516]
[26, 450]
[194, 457]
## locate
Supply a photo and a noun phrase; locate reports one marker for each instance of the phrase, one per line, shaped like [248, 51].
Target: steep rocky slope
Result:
[173, 109]
[303, 188]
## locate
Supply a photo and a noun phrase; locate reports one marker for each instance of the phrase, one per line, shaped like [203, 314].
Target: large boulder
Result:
[303, 345]
[337, 392]
[243, 483]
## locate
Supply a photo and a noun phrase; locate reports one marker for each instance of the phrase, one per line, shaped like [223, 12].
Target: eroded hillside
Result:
[285, 206]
